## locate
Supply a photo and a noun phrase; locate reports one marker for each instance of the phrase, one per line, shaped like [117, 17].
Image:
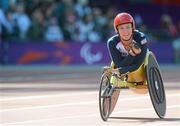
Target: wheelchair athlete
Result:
[127, 49]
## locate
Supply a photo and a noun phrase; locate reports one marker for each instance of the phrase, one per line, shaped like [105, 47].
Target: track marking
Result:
[47, 96]
[161, 123]
[86, 115]
[60, 95]
[76, 103]
[49, 106]
[146, 109]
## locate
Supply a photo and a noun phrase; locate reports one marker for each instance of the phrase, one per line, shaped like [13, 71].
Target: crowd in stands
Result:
[70, 20]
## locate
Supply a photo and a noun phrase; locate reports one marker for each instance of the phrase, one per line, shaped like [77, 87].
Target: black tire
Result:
[156, 86]
[104, 101]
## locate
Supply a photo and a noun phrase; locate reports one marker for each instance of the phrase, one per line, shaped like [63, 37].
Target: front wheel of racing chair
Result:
[108, 95]
[104, 98]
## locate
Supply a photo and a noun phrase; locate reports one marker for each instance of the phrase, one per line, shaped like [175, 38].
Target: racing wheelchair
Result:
[147, 78]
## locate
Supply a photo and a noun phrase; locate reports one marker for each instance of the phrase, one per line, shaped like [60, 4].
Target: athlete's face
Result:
[125, 31]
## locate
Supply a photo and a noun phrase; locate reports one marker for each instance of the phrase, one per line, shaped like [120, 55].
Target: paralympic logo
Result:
[88, 56]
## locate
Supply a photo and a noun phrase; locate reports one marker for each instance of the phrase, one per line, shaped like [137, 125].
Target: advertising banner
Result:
[58, 53]
[61, 53]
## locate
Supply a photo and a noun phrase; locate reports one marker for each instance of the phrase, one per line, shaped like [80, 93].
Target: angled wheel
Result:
[114, 95]
[108, 97]
[156, 86]
[104, 99]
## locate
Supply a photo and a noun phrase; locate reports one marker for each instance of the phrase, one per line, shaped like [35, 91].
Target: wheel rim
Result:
[156, 86]
[104, 102]
[157, 83]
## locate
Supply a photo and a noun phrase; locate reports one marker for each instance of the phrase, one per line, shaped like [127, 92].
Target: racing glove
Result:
[116, 71]
[135, 49]
[108, 69]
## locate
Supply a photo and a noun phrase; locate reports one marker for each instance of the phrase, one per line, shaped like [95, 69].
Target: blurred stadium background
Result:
[74, 32]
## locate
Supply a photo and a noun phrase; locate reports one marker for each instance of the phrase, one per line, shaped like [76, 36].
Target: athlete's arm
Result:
[137, 61]
[116, 57]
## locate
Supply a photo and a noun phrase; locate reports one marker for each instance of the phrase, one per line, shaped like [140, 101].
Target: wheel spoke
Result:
[104, 100]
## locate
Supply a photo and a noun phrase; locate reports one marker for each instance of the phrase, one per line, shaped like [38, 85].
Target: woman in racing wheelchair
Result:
[132, 60]
[127, 48]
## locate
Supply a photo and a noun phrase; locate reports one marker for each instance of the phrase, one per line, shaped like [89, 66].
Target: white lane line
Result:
[86, 115]
[56, 95]
[49, 106]
[162, 123]
[47, 96]
[76, 103]
[146, 109]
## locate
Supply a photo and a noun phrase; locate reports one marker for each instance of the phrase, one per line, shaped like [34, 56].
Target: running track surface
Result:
[68, 96]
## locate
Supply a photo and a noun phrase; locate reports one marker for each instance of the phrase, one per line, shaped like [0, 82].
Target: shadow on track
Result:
[143, 119]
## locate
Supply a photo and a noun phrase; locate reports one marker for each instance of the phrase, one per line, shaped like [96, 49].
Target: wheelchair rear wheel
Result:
[155, 86]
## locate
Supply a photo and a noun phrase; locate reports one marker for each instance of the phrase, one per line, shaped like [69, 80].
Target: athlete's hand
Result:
[107, 69]
[131, 52]
[115, 71]
[135, 49]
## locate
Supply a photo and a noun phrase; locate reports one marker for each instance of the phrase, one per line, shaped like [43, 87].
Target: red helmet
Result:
[123, 18]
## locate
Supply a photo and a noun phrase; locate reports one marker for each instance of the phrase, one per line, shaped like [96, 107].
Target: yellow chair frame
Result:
[134, 78]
